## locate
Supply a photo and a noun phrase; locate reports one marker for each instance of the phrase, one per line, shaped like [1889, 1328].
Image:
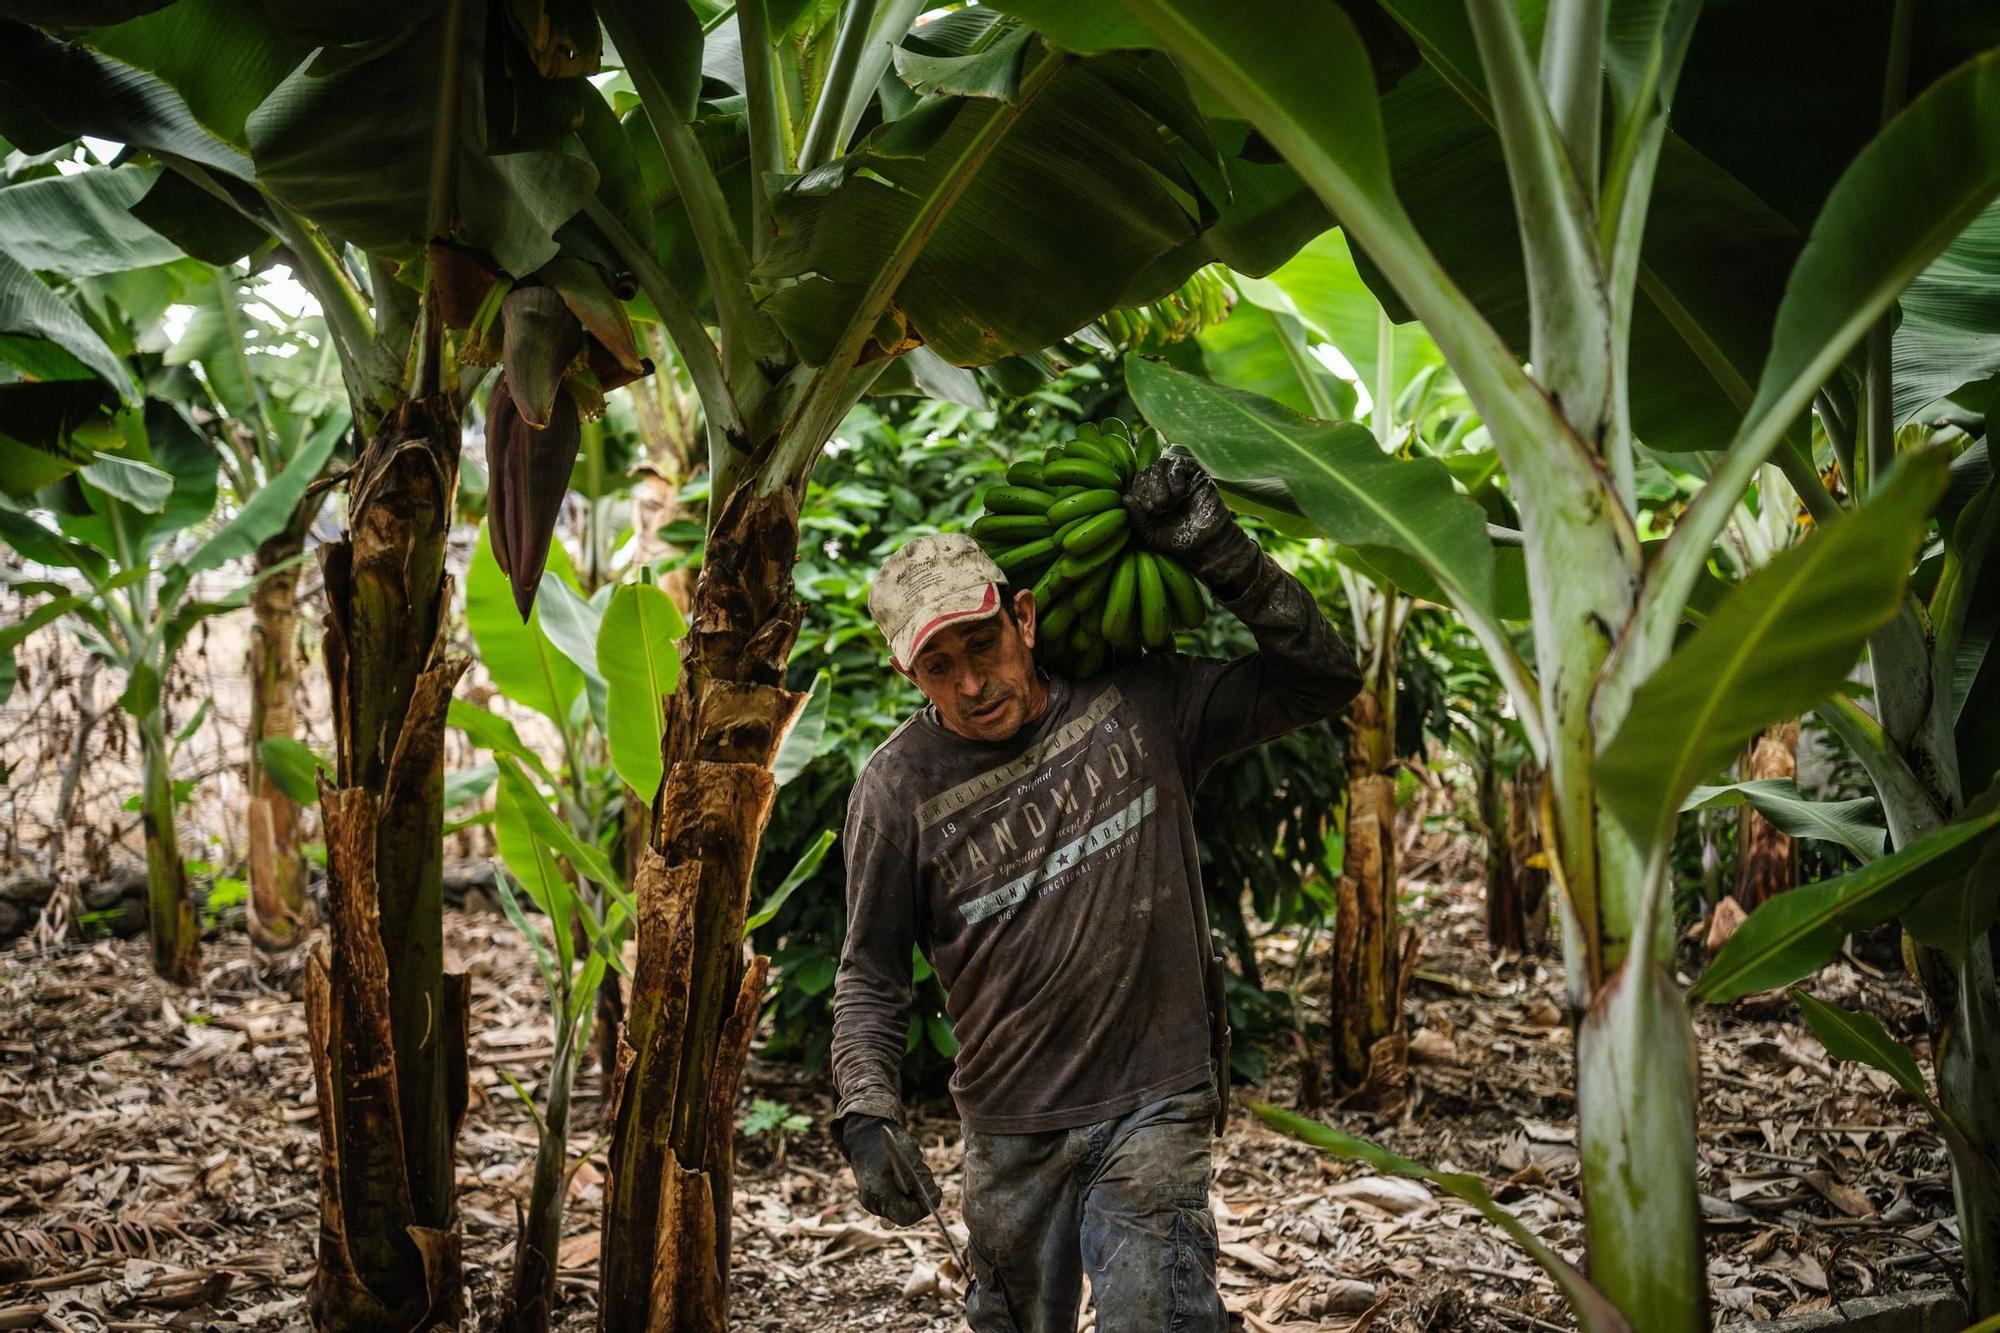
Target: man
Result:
[1035, 837]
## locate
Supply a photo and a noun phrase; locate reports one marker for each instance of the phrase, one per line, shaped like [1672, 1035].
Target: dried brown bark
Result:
[388, 1025]
[1516, 886]
[1767, 862]
[1367, 990]
[695, 994]
[278, 910]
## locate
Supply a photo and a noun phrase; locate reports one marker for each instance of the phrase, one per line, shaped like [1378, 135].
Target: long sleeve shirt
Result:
[1052, 879]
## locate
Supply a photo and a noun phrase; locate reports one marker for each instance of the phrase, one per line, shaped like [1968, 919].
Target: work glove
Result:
[1174, 509]
[889, 1169]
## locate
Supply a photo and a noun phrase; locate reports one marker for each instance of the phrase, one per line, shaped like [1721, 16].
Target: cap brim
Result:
[938, 615]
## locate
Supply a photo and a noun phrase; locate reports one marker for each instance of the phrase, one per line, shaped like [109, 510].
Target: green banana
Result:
[1017, 500]
[1010, 529]
[1049, 586]
[1128, 457]
[1114, 426]
[1148, 447]
[1093, 532]
[1026, 559]
[1074, 471]
[1153, 626]
[1091, 662]
[1102, 450]
[1025, 472]
[1075, 566]
[1183, 593]
[1118, 620]
[1082, 505]
[1089, 592]
[1059, 618]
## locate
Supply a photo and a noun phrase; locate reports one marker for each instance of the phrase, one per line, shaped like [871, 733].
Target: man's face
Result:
[981, 677]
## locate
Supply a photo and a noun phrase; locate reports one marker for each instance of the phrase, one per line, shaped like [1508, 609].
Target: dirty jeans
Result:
[1124, 1200]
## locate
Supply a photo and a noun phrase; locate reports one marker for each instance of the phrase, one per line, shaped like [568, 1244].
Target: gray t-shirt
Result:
[1052, 881]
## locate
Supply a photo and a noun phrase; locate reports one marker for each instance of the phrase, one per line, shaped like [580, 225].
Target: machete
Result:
[907, 1178]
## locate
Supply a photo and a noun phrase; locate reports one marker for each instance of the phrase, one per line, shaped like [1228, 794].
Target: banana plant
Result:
[271, 381]
[398, 159]
[854, 227]
[1925, 736]
[1318, 300]
[124, 526]
[597, 669]
[1627, 715]
[823, 227]
[98, 434]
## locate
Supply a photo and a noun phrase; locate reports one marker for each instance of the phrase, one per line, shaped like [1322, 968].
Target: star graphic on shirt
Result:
[1064, 859]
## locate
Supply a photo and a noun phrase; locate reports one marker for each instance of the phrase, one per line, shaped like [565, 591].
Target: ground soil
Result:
[157, 1153]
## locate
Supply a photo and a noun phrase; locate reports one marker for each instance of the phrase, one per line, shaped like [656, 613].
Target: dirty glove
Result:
[1175, 510]
[902, 1191]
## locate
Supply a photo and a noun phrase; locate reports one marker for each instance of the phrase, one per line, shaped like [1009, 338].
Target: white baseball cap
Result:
[939, 579]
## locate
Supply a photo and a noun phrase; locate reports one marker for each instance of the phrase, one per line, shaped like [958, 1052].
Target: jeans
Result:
[1124, 1200]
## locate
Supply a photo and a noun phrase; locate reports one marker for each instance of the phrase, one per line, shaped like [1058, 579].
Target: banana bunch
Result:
[1060, 521]
[1204, 299]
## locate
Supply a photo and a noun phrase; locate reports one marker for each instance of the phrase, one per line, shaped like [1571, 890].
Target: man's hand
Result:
[1175, 510]
[901, 1191]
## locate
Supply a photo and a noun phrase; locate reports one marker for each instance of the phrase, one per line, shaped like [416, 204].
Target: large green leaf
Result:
[221, 57]
[1777, 645]
[522, 826]
[1325, 287]
[1354, 492]
[81, 223]
[572, 624]
[1855, 825]
[1949, 335]
[551, 833]
[1794, 934]
[53, 91]
[801, 744]
[802, 870]
[1868, 243]
[30, 309]
[1267, 351]
[351, 148]
[1853, 1036]
[140, 485]
[926, 215]
[1594, 1314]
[294, 766]
[490, 731]
[641, 666]
[267, 512]
[31, 541]
[524, 665]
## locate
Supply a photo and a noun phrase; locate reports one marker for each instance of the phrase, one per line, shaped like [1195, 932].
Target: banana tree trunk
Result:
[1767, 862]
[169, 902]
[388, 1024]
[1968, 1067]
[695, 994]
[1367, 999]
[278, 911]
